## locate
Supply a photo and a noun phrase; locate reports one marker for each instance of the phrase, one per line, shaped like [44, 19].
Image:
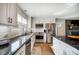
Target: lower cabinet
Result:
[32, 42]
[28, 47]
[21, 51]
[61, 48]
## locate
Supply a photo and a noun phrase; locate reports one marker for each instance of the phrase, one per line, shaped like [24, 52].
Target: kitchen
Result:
[25, 28]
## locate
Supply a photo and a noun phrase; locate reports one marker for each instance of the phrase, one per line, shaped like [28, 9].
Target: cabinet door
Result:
[12, 13]
[32, 42]
[8, 13]
[3, 13]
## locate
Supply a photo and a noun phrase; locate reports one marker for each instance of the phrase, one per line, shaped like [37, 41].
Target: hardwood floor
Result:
[42, 49]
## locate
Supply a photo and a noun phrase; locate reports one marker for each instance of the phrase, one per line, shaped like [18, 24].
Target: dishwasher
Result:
[28, 47]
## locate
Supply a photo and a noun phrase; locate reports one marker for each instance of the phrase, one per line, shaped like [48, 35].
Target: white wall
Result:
[60, 27]
[29, 22]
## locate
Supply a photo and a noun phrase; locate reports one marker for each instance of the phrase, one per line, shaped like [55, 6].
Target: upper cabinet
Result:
[8, 13]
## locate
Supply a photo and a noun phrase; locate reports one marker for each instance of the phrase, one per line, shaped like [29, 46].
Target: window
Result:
[24, 21]
[21, 20]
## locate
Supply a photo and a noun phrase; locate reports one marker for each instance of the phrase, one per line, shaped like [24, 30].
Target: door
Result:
[32, 42]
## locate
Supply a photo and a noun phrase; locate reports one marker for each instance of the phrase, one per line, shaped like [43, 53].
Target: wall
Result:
[21, 12]
[60, 27]
[20, 29]
[29, 22]
[42, 20]
[26, 16]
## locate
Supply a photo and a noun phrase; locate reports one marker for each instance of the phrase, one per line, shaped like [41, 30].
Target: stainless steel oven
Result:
[39, 35]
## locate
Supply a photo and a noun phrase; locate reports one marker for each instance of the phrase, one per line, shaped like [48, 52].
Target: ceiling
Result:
[50, 9]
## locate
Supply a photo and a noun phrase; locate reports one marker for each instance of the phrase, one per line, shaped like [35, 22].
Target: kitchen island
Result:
[17, 43]
[62, 47]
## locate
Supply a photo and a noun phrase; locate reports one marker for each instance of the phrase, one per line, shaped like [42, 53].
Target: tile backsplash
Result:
[4, 30]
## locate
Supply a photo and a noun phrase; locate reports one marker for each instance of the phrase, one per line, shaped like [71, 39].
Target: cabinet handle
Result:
[9, 20]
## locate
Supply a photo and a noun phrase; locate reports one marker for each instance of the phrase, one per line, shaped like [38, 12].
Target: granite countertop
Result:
[67, 41]
[19, 41]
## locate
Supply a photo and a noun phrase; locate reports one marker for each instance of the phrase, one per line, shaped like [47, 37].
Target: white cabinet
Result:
[21, 51]
[8, 14]
[32, 42]
[13, 13]
[3, 13]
